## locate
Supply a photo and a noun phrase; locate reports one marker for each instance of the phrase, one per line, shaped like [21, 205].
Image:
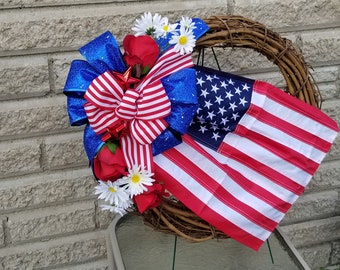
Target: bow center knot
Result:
[127, 109]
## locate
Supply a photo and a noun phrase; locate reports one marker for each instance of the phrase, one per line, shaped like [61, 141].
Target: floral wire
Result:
[216, 60]
[174, 253]
[270, 252]
[200, 56]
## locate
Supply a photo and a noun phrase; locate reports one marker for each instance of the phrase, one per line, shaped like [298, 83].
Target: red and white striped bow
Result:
[140, 111]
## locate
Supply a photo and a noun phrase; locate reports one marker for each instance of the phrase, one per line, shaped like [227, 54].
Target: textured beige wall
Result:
[49, 216]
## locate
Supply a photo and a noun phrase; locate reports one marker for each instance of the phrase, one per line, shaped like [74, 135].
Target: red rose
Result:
[151, 198]
[141, 50]
[108, 165]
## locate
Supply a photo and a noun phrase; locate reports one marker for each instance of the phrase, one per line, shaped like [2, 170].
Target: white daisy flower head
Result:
[186, 24]
[184, 42]
[148, 24]
[166, 28]
[112, 192]
[137, 180]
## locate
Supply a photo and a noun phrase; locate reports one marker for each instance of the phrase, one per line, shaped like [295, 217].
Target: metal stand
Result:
[128, 238]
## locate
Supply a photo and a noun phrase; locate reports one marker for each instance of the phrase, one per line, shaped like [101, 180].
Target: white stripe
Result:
[281, 137]
[141, 126]
[123, 113]
[254, 177]
[295, 118]
[157, 108]
[268, 158]
[130, 99]
[95, 100]
[202, 194]
[102, 116]
[223, 179]
[148, 90]
[126, 147]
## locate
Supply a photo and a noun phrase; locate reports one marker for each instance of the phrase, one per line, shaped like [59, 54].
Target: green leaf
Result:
[146, 69]
[112, 147]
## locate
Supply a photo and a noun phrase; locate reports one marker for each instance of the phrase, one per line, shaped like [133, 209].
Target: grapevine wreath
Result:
[139, 107]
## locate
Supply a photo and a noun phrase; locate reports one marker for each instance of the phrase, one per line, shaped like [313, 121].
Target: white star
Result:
[224, 120]
[221, 110]
[232, 106]
[235, 116]
[198, 110]
[200, 81]
[209, 78]
[243, 101]
[224, 84]
[211, 115]
[214, 88]
[229, 95]
[227, 129]
[218, 100]
[201, 119]
[214, 126]
[215, 136]
[215, 76]
[245, 87]
[231, 81]
[204, 93]
[237, 90]
[202, 129]
[207, 104]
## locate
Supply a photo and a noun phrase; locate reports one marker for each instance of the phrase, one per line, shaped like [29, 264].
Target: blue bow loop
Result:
[103, 54]
[92, 142]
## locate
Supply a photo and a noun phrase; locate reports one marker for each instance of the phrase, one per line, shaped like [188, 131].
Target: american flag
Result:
[248, 155]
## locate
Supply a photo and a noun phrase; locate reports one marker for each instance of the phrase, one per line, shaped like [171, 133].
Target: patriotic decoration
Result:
[131, 102]
[235, 151]
[248, 155]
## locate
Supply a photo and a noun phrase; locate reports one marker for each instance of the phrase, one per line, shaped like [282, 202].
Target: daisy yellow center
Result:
[111, 189]
[183, 40]
[135, 178]
[166, 28]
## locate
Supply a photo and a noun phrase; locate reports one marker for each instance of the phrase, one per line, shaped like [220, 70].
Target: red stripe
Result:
[284, 152]
[217, 190]
[258, 191]
[294, 104]
[289, 128]
[139, 129]
[200, 209]
[261, 168]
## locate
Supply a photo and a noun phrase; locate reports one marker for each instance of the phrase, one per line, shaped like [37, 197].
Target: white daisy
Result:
[112, 192]
[186, 23]
[184, 42]
[148, 24]
[136, 180]
[165, 28]
[115, 209]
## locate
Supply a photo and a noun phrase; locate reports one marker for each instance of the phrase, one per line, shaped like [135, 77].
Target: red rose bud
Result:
[108, 165]
[141, 50]
[151, 198]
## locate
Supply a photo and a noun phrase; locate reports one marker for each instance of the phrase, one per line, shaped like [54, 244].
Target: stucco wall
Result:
[49, 216]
